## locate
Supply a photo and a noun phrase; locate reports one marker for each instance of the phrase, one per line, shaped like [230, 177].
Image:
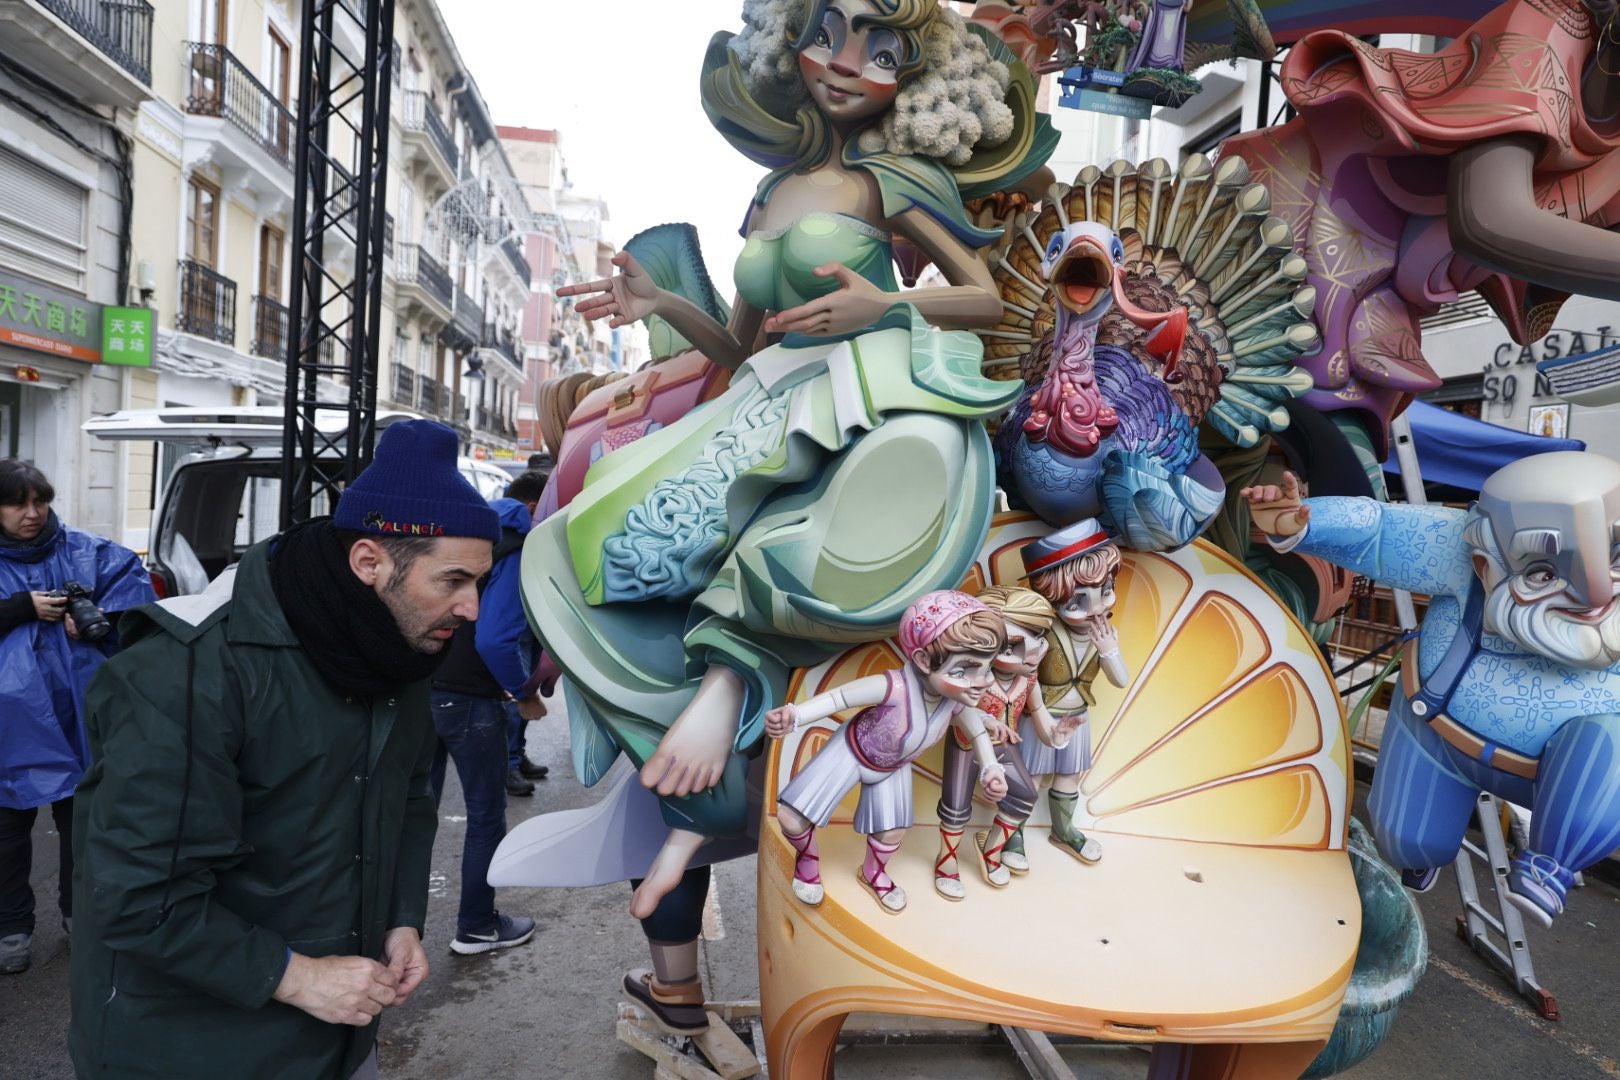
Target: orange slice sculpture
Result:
[1223, 919]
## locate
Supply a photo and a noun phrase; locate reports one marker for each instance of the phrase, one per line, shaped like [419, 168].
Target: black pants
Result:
[17, 859]
[678, 917]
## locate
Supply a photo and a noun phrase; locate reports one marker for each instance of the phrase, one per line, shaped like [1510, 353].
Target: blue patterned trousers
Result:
[1424, 792]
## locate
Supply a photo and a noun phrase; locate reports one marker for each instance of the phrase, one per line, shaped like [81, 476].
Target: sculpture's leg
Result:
[1577, 801]
[671, 989]
[1420, 804]
[1576, 819]
[667, 871]
[1232, 1061]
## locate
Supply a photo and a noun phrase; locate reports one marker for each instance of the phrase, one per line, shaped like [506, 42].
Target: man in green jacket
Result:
[252, 839]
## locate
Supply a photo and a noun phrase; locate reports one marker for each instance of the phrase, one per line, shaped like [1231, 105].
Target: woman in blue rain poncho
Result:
[45, 665]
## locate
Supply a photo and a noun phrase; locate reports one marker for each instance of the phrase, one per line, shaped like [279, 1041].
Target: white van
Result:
[224, 494]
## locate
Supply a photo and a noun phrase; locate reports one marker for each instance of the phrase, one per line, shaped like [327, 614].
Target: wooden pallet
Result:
[720, 1054]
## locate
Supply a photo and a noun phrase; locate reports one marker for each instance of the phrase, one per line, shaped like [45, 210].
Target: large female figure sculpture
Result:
[846, 471]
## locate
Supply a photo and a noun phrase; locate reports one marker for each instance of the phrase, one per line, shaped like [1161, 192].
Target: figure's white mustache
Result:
[1547, 630]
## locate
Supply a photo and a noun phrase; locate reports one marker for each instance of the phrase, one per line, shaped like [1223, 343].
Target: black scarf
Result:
[347, 631]
[31, 551]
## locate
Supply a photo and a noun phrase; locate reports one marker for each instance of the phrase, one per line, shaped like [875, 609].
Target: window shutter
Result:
[42, 223]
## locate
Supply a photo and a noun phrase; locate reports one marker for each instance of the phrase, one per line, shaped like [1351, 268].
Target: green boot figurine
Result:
[1012, 856]
[1064, 834]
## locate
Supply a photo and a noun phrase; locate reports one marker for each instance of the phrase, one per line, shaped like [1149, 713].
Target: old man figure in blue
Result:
[1513, 686]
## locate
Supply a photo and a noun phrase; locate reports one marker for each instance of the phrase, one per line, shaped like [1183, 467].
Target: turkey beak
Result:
[1082, 275]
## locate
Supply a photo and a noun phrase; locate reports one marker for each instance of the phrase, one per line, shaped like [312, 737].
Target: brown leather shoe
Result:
[677, 1009]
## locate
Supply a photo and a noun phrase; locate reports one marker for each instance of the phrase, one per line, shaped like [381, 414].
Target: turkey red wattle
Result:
[1068, 410]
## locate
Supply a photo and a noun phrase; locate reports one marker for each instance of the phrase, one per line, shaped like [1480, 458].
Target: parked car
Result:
[224, 492]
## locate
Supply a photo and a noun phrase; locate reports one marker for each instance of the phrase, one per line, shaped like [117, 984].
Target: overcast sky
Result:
[619, 81]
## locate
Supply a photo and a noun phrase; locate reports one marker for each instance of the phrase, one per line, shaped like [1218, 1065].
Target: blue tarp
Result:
[1461, 451]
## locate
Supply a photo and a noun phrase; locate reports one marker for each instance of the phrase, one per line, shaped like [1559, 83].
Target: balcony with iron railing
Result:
[461, 333]
[505, 347]
[513, 254]
[271, 334]
[432, 397]
[426, 140]
[269, 328]
[103, 57]
[207, 303]
[423, 282]
[404, 384]
[222, 87]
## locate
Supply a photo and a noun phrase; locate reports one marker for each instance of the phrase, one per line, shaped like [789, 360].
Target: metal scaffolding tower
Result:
[341, 186]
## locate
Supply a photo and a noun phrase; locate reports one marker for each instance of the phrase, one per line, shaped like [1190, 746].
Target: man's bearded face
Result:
[1532, 608]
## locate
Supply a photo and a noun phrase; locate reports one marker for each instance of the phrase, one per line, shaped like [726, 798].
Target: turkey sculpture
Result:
[1141, 303]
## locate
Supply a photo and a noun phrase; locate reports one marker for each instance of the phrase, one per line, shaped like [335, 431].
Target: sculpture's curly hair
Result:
[952, 92]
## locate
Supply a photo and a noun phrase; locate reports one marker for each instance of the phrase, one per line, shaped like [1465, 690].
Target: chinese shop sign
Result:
[38, 317]
[126, 337]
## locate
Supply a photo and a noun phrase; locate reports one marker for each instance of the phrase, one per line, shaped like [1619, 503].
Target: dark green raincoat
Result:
[308, 824]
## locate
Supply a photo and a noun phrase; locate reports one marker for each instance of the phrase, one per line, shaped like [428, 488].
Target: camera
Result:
[92, 624]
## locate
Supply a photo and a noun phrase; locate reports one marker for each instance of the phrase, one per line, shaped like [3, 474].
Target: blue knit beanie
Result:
[414, 487]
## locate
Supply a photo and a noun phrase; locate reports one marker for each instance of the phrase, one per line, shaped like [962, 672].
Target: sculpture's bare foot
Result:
[667, 870]
[693, 755]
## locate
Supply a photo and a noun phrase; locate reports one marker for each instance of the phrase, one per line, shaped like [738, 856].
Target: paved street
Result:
[547, 1010]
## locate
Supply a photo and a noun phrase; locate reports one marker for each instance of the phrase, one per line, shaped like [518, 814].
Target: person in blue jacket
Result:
[45, 664]
[504, 639]
[471, 714]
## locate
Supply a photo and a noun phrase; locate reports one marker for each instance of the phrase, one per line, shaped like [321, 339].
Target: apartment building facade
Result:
[73, 76]
[573, 245]
[212, 148]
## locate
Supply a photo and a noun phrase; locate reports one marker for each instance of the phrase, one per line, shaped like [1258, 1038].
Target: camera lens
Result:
[91, 623]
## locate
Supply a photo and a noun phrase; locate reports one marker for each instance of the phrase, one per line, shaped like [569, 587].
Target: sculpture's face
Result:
[963, 677]
[1079, 263]
[1546, 536]
[1533, 605]
[1023, 652]
[852, 72]
[1090, 601]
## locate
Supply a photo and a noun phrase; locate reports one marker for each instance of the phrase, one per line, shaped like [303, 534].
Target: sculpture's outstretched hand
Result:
[1277, 509]
[782, 722]
[626, 297]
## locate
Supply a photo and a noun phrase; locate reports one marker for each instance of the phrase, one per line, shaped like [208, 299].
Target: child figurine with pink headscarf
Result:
[949, 640]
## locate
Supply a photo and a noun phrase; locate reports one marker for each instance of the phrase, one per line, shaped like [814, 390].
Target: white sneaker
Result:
[15, 953]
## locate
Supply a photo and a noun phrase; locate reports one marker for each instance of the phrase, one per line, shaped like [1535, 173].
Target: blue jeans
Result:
[515, 725]
[473, 732]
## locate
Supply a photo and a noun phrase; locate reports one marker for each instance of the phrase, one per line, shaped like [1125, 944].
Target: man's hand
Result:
[71, 627]
[341, 989]
[48, 608]
[531, 708]
[1276, 509]
[402, 948]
